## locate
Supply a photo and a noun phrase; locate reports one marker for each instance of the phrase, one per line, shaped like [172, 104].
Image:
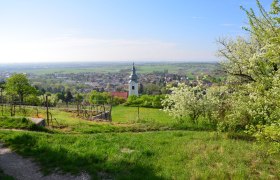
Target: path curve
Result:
[25, 169]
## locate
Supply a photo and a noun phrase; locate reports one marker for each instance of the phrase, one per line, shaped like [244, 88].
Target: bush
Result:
[197, 101]
[118, 100]
[267, 133]
[149, 101]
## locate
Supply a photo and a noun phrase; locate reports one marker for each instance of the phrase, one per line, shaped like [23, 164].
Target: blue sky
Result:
[117, 30]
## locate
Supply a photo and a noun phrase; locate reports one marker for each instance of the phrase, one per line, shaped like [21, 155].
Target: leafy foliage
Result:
[152, 101]
[185, 101]
[253, 68]
[250, 97]
[18, 85]
[197, 101]
[99, 98]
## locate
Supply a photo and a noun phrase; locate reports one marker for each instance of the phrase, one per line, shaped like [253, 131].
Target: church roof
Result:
[133, 76]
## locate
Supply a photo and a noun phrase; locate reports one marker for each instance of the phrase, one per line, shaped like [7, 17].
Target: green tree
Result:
[32, 99]
[78, 99]
[61, 96]
[98, 98]
[18, 84]
[152, 89]
[254, 59]
[2, 84]
[252, 65]
[68, 98]
[185, 101]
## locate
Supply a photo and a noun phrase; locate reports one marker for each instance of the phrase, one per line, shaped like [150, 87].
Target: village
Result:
[109, 82]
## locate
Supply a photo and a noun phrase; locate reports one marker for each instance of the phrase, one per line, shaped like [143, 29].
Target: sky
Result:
[117, 30]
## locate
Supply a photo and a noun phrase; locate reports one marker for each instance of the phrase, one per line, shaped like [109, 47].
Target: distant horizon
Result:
[114, 61]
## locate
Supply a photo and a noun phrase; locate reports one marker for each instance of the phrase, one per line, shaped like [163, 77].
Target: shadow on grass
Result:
[240, 136]
[98, 165]
[193, 127]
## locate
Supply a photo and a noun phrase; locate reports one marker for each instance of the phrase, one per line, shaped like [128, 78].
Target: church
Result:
[133, 82]
[132, 86]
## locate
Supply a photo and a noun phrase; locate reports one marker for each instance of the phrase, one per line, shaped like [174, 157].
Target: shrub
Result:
[149, 101]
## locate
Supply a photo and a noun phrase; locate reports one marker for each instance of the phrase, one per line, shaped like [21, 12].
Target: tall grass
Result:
[20, 123]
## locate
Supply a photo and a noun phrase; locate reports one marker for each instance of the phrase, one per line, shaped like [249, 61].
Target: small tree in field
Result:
[99, 98]
[68, 98]
[18, 85]
[185, 101]
[79, 99]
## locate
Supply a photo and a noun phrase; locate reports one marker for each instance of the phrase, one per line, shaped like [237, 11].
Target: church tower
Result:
[133, 83]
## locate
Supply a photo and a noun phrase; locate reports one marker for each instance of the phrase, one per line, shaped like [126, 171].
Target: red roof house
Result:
[120, 94]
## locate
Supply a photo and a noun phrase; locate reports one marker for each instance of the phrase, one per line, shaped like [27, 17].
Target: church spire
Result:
[133, 82]
[133, 76]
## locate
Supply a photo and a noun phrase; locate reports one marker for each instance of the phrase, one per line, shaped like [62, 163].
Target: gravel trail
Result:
[25, 169]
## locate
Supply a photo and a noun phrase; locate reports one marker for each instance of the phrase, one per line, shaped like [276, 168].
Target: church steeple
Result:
[133, 82]
[133, 76]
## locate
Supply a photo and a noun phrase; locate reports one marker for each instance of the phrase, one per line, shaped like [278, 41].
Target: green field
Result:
[142, 68]
[129, 147]
[123, 114]
[123, 119]
[104, 69]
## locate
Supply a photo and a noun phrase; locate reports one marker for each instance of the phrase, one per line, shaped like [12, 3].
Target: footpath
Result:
[25, 169]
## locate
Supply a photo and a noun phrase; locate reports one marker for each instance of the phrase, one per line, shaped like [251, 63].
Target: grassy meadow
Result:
[128, 147]
[142, 68]
[124, 119]
[158, 155]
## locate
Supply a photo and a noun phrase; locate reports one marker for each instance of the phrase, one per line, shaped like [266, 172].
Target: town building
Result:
[123, 95]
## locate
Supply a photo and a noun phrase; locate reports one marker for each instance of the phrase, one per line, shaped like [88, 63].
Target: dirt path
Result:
[24, 169]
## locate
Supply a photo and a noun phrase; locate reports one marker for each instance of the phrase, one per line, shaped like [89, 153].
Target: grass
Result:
[158, 155]
[156, 118]
[19, 123]
[73, 70]
[142, 68]
[124, 114]
[16, 123]
[115, 150]
[124, 119]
